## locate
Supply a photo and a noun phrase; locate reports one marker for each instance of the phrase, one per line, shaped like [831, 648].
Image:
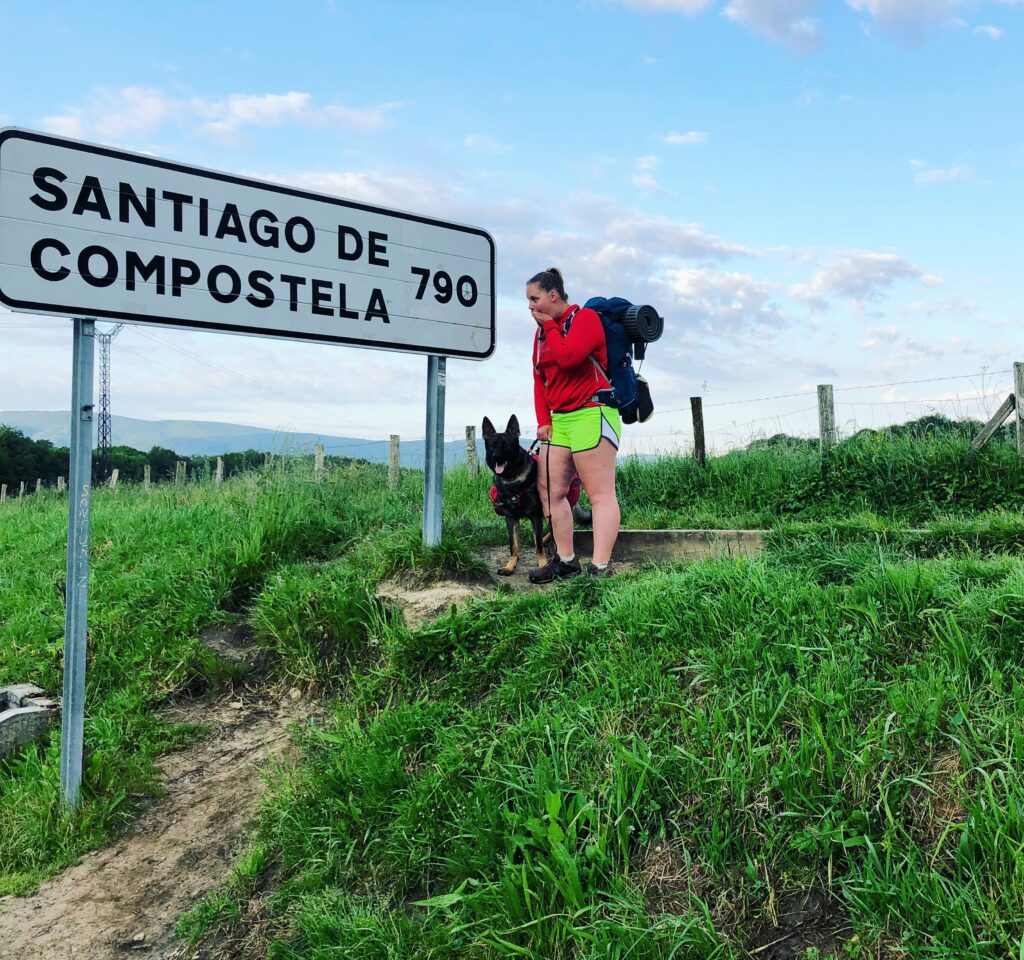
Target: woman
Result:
[581, 431]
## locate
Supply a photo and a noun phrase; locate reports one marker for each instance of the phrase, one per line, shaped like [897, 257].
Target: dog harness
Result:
[573, 495]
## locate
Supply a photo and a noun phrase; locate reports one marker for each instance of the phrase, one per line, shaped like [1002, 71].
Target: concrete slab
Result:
[25, 715]
[665, 546]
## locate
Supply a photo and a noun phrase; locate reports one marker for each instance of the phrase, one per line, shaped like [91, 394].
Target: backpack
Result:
[628, 328]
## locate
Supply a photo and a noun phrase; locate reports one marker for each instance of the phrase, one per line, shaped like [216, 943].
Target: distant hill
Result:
[193, 438]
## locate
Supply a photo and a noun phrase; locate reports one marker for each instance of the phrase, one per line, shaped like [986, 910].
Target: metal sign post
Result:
[433, 466]
[76, 616]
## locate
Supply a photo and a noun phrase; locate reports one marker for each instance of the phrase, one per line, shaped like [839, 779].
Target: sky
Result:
[809, 192]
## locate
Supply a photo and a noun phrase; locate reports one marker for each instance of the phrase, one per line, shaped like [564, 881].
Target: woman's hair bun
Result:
[556, 272]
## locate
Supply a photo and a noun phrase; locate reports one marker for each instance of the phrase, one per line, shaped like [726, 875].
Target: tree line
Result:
[25, 459]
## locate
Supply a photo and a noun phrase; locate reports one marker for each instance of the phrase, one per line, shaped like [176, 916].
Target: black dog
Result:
[515, 480]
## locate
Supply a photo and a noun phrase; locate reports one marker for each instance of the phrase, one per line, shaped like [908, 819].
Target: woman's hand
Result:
[544, 433]
[539, 318]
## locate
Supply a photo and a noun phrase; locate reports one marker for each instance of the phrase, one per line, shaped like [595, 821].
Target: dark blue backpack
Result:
[628, 328]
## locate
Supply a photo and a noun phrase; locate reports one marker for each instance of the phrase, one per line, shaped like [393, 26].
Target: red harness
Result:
[573, 495]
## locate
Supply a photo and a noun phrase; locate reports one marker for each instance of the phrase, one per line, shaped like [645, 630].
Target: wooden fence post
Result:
[393, 462]
[697, 410]
[3, 492]
[179, 472]
[114, 474]
[318, 462]
[60, 484]
[218, 477]
[39, 484]
[1018, 393]
[21, 490]
[471, 460]
[826, 417]
[1005, 409]
[147, 476]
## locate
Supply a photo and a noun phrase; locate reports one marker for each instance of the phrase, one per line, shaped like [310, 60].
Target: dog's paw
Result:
[506, 571]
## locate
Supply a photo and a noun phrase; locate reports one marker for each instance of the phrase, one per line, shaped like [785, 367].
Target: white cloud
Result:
[667, 6]
[880, 336]
[860, 276]
[944, 175]
[993, 33]
[725, 302]
[908, 18]
[691, 139]
[784, 21]
[137, 111]
[486, 144]
[643, 174]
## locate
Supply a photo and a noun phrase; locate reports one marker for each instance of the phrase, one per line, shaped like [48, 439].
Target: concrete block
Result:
[25, 715]
[665, 546]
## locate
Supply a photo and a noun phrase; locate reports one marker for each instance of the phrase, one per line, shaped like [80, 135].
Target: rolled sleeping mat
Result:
[643, 324]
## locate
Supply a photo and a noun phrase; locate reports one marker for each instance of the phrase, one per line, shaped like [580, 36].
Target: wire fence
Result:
[671, 432]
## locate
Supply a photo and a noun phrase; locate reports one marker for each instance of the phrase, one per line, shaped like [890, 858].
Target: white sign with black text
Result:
[87, 230]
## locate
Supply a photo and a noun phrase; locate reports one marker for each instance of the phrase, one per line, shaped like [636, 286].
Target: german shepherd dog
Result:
[515, 478]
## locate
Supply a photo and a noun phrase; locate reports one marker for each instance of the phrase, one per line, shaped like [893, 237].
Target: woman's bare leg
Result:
[597, 472]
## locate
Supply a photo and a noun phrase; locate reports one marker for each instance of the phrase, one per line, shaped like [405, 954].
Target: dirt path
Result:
[126, 898]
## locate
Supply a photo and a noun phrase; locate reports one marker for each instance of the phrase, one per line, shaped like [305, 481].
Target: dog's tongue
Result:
[499, 468]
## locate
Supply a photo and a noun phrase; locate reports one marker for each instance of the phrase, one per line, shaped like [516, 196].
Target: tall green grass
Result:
[900, 478]
[644, 767]
[506, 781]
[164, 565]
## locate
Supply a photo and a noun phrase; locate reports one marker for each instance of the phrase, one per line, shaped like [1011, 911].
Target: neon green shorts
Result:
[584, 429]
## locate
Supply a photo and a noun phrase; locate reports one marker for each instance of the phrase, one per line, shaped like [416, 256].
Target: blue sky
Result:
[811, 192]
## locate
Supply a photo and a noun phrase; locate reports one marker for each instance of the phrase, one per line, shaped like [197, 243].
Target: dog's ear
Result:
[487, 429]
[513, 427]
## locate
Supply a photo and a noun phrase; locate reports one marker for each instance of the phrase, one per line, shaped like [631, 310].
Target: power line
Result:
[812, 393]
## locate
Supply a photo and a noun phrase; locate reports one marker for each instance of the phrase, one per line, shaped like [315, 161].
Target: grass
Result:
[766, 727]
[164, 565]
[645, 767]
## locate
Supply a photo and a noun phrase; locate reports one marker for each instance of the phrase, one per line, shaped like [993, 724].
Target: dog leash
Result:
[535, 449]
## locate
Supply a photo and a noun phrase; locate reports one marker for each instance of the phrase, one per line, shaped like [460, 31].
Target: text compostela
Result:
[53, 260]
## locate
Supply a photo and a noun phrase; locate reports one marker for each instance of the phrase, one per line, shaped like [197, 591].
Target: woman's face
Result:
[542, 301]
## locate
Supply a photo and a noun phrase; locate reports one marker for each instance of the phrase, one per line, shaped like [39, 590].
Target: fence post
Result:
[179, 472]
[318, 462]
[114, 474]
[218, 477]
[826, 417]
[147, 476]
[697, 410]
[393, 461]
[21, 490]
[60, 484]
[471, 460]
[39, 484]
[3, 492]
[1018, 393]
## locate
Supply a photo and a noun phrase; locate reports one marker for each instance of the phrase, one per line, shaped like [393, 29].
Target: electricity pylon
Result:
[103, 464]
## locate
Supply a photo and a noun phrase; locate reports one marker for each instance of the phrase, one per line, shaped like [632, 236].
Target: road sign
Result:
[87, 230]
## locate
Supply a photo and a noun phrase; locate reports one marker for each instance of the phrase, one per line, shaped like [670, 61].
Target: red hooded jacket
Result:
[564, 378]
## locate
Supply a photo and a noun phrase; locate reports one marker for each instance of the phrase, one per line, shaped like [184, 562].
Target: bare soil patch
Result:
[421, 602]
[799, 920]
[125, 899]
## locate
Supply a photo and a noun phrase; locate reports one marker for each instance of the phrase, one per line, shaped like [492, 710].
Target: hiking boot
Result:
[602, 572]
[555, 569]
